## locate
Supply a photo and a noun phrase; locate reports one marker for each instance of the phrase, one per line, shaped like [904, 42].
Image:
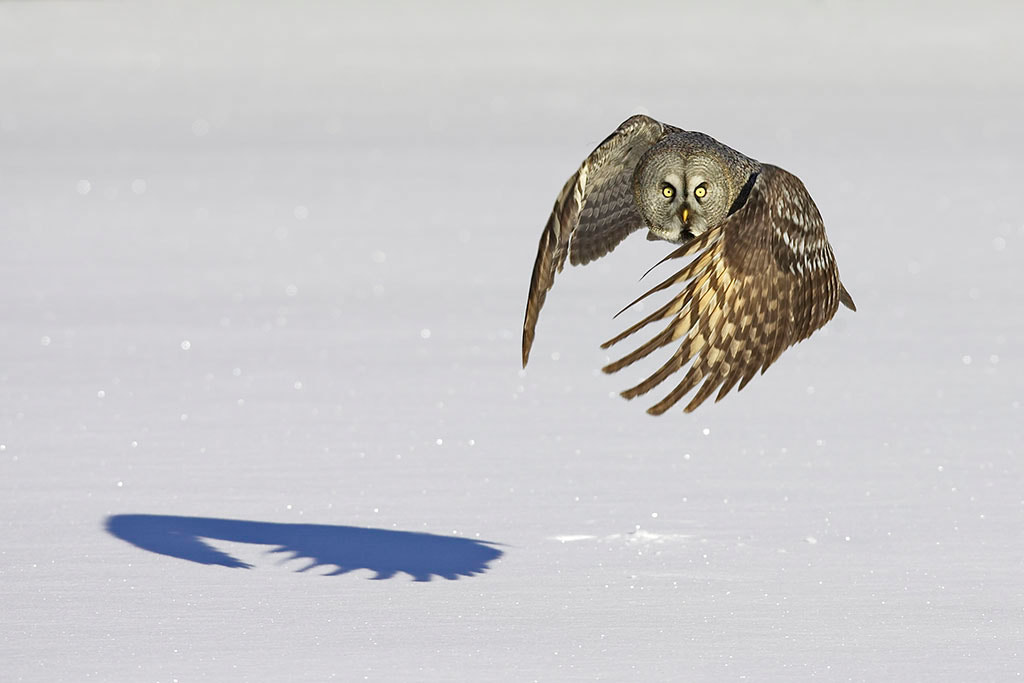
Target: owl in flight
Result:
[763, 278]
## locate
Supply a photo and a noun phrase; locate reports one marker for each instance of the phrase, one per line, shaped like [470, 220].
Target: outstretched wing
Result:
[764, 279]
[594, 211]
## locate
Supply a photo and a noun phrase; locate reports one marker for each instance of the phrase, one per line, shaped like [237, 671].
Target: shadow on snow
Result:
[386, 552]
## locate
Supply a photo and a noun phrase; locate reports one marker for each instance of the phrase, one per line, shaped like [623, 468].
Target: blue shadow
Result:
[347, 548]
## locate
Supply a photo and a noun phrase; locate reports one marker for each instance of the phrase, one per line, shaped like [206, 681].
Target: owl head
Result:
[685, 185]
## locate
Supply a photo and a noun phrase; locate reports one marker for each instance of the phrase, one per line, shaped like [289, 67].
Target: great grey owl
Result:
[764, 277]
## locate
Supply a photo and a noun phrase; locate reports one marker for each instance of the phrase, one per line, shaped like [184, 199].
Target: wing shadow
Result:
[348, 548]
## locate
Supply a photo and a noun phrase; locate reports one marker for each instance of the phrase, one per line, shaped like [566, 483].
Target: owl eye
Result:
[668, 191]
[700, 191]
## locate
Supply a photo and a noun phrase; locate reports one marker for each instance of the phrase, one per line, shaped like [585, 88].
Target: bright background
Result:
[268, 263]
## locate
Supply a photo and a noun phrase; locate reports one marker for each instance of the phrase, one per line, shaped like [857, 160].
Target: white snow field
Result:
[263, 272]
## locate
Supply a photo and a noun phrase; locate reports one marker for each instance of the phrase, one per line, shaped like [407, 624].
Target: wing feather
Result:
[593, 213]
[765, 280]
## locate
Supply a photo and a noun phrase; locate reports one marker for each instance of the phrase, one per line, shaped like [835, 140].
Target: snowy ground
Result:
[264, 270]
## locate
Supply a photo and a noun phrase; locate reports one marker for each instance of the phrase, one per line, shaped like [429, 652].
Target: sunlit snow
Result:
[262, 415]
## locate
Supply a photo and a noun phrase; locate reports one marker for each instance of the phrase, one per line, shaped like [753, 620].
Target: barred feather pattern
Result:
[593, 213]
[761, 281]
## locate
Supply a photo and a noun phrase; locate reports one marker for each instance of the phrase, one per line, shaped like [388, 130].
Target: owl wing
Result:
[593, 212]
[764, 279]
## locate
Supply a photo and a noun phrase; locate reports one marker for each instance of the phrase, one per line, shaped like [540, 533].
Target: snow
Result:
[264, 274]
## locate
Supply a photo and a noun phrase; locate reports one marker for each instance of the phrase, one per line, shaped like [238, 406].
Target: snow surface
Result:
[264, 268]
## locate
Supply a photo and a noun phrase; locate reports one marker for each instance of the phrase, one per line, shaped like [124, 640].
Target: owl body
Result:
[763, 276]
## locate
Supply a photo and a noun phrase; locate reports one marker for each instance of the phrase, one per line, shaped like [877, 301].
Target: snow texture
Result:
[264, 269]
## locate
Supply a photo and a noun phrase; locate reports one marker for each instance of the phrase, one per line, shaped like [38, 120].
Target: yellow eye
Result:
[700, 191]
[668, 191]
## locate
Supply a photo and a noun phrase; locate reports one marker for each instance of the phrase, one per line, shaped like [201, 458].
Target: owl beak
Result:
[685, 214]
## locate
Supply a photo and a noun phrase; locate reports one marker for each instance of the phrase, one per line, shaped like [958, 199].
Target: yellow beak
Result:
[686, 214]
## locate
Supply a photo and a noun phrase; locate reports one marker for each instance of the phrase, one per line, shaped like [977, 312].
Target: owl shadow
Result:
[386, 552]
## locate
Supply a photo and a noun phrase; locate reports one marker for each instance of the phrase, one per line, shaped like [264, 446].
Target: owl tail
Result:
[845, 298]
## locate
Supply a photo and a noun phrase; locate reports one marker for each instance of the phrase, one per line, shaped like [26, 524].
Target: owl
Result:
[762, 277]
